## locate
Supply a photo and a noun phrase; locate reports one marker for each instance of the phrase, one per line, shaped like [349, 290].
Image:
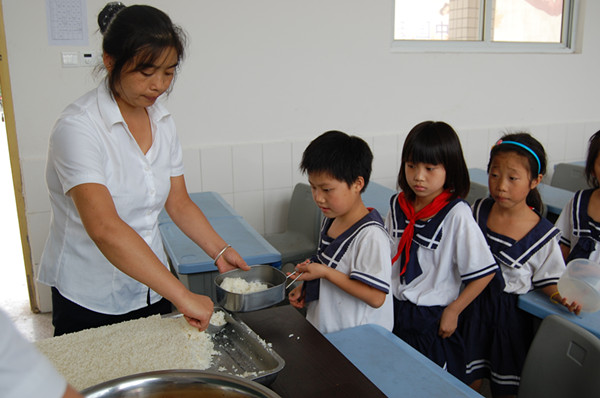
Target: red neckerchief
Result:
[409, 211]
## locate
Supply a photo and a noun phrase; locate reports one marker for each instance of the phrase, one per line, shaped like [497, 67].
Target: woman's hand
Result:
[230, 260]
[196, 309]
[448, 322]
[296, 297]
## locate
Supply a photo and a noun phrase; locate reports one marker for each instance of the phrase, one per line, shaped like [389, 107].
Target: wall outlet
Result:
[89, 58]
[77, 59]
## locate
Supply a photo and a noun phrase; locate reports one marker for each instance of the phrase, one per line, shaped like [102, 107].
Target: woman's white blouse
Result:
[90, 143]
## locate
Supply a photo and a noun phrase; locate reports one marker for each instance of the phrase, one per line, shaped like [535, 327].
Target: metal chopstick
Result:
[294, 280]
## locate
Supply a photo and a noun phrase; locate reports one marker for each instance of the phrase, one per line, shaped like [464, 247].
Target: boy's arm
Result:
[374, 297]
[449, 320]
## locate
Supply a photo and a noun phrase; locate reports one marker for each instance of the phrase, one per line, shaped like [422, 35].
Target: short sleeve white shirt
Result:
[366, 259]
[24, 371]
[461, 255]
[533, 262]
[91, 143]
[574, 224]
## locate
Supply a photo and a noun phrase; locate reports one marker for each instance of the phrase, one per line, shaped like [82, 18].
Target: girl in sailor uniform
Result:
[579, 222]
[525, 246]
[437, 246]
[347, 282]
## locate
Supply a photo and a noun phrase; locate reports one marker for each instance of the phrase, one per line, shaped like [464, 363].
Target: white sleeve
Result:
[472, 252]
[24, 371]
[177, 168]
[372, 263]
[551, 265]
[76, 154]
[564, 223]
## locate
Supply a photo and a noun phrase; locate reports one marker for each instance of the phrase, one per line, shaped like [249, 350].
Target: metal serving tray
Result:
[243, 353]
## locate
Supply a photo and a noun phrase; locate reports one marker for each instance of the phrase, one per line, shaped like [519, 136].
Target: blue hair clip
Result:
[526, 148]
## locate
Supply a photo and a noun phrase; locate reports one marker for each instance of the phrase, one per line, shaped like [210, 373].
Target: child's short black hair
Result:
[536, 164]
[593, 151]
[342, 156]
[435, 143]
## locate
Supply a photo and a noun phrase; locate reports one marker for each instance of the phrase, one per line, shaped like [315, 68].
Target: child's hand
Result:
[296, 274]
[311, 271]
[448, 322]
[296, 297]
[556, 298]
[573, 307]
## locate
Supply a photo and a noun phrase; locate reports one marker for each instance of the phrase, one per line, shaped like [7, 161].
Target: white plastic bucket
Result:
[580, 282]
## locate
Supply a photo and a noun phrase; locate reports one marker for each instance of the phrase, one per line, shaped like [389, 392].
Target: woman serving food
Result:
[114, 162]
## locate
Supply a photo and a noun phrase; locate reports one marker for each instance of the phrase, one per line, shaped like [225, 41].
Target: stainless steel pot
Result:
[179, 384]
[237, 302]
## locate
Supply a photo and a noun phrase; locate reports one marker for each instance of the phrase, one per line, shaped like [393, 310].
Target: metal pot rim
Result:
[119, 385]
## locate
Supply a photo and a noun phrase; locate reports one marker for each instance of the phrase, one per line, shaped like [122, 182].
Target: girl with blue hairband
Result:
[526, 247]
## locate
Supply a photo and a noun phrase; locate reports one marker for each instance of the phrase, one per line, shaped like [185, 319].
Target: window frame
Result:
[567, 44]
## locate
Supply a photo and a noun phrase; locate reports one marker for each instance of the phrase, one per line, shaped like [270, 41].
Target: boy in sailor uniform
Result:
[347, 282]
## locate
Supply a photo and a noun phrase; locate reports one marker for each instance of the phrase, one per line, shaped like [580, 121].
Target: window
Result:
[484, 25]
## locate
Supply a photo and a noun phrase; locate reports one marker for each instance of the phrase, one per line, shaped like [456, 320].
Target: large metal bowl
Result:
[237, 302]
[179, 384]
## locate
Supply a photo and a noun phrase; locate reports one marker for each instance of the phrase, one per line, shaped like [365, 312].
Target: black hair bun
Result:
[108, 13]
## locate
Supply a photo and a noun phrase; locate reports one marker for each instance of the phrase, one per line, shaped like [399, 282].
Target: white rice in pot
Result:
[241, 286]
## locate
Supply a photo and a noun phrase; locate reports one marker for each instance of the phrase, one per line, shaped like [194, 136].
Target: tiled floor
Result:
[14, 300]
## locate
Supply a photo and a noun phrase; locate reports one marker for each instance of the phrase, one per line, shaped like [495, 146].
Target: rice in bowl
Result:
[242, 286]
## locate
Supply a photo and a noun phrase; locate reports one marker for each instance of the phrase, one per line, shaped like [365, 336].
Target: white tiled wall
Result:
[297, 150]
[385, 157]
[257, 179]
[193, 174]
[247, 161]
[277, 167]
[34, 184]
[216, 169]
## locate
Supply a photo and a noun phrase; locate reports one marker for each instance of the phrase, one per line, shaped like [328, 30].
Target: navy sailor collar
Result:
[428, 233]
[583, 225]
[506, 250]
[331, 251]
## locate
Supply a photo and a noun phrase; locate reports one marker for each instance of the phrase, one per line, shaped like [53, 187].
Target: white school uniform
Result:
[447, 250]
[533, 262]
[450, 249]
[497, 333]
[578, 231]
[363, 253]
